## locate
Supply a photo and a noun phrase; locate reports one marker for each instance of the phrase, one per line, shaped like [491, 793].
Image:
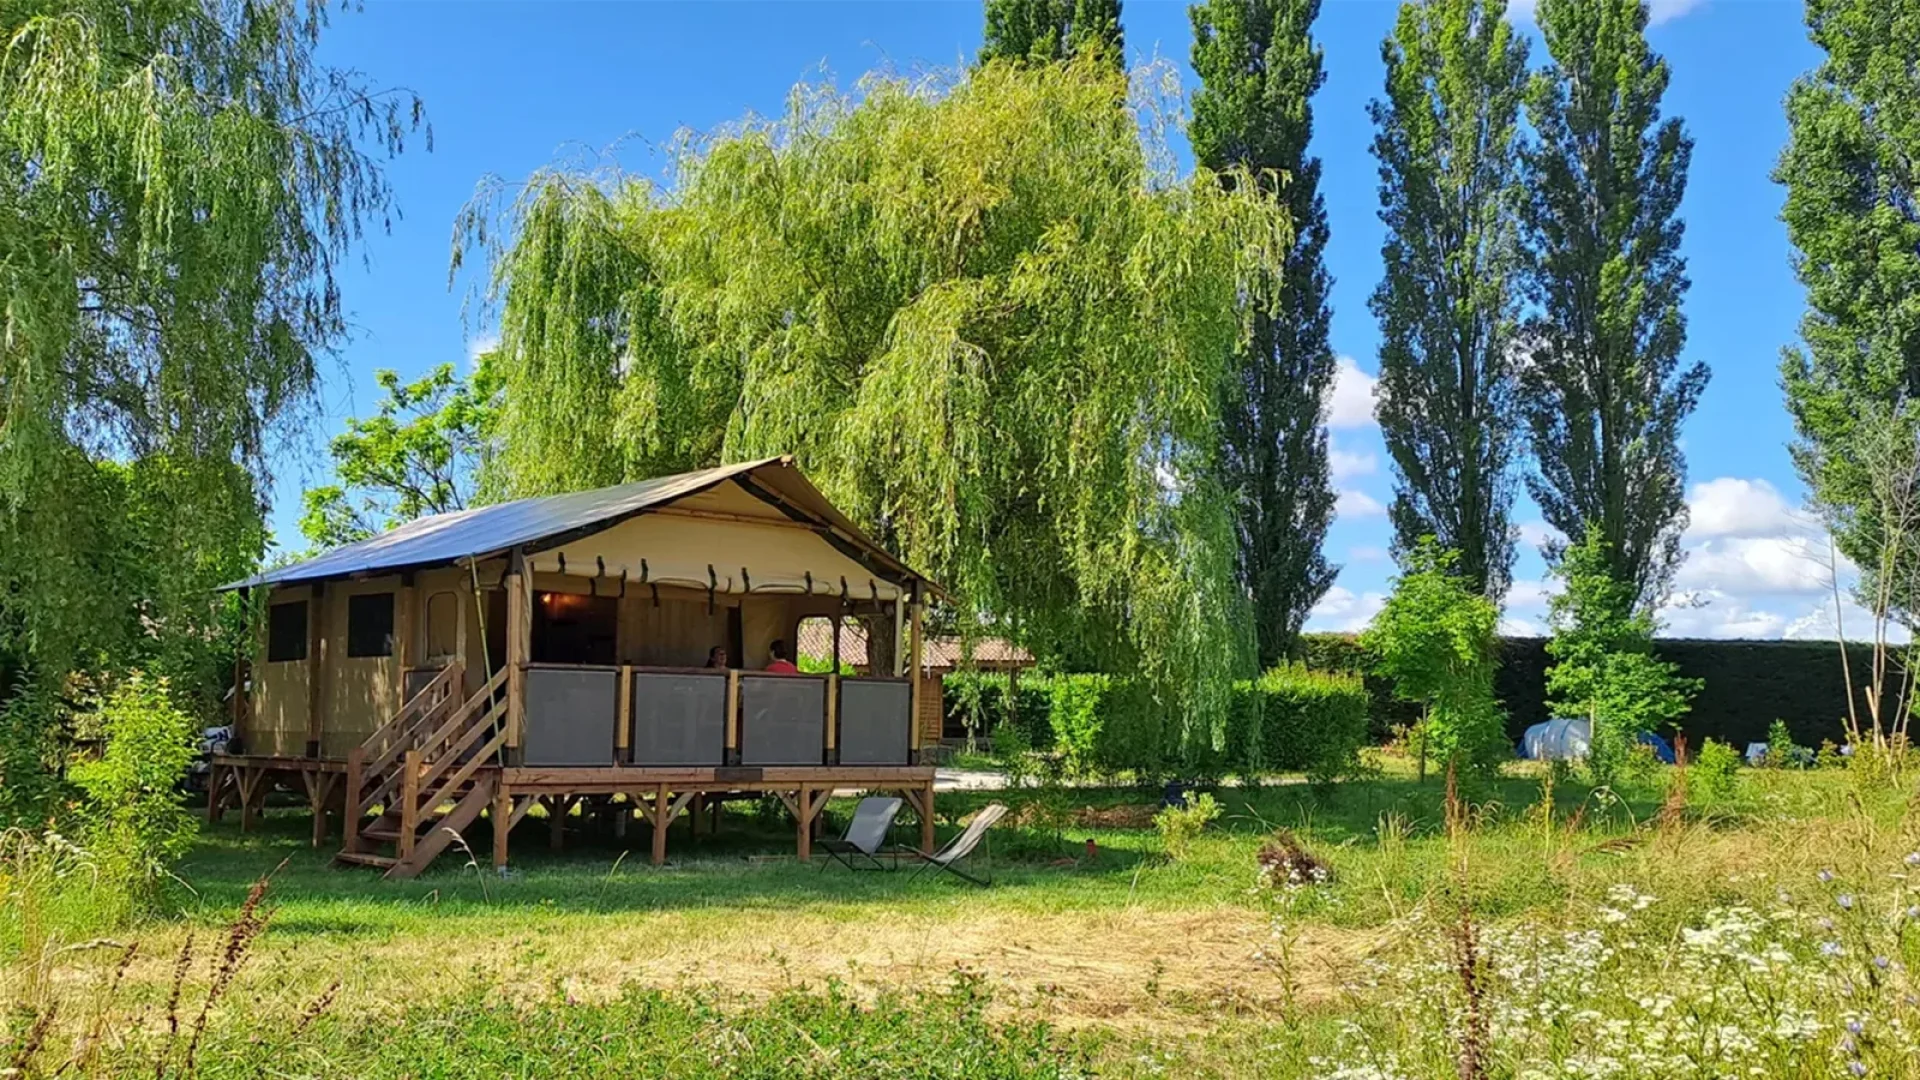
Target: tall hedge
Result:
[1289, 720]
[1746, 685]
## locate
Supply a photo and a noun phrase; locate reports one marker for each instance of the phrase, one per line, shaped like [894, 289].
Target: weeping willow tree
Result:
[982, 313]
[178, 179]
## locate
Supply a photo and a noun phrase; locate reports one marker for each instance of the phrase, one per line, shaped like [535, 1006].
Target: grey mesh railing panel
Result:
[875, 722]
[570, 716]
[783, 720]
[679, 719]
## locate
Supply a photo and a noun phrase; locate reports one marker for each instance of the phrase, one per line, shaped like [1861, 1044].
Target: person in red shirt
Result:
[780, 665]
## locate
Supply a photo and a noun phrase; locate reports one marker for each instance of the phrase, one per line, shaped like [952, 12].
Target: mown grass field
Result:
[1121, 963]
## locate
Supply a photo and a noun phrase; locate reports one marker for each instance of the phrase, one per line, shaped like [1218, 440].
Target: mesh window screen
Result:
[783, 720]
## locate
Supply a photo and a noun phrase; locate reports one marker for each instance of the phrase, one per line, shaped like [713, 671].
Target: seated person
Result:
[780, 665]
[717, 656]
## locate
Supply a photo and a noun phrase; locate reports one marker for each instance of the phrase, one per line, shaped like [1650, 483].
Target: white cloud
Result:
[1733, 506]
[1348, 464]
[1744, 565]
[1514, 627]
[1365, 553]
[1529, 594]
[1660, 11]
[1714, 614]
[1536, 534]
[485, 343]
[1343, 610]
[1351, 404]
[1354, 503]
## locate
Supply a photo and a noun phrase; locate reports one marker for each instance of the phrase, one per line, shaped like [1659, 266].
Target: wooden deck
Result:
[657, 795]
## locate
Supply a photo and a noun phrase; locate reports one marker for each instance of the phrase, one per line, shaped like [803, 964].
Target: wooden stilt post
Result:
[410, 803]
[216, 782]
[519, 648]
[350, 813]
[662, 816]
[696, 813]
[557, 809]
[926, 819]
[805, 840]
[502, 823]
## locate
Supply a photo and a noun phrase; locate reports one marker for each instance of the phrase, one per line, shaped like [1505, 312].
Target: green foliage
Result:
[1782, 752]
[1434, 639]
[1308, 721]
[178, 182]
[1851, 186]
[1259, 68]
[1047, 31]
[1181, 824]
[980, 312]
[1603, 662]
[1603, 392]
[135, 824]
[1715, 772]
[1447, 138]
[419, 454]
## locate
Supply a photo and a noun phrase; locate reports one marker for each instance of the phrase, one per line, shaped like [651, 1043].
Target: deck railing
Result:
[663, 717]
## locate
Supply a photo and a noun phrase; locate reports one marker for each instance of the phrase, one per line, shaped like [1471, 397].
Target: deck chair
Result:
[960, 847]
[866, 835]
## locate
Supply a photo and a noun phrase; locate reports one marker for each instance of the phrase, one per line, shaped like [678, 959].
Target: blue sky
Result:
[510, 87]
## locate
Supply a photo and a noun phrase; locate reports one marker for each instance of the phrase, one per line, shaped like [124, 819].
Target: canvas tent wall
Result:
[734, 556]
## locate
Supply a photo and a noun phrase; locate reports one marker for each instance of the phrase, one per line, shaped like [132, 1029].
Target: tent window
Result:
[572, 629]
[370, 624]
[443, 624]
[287, 631]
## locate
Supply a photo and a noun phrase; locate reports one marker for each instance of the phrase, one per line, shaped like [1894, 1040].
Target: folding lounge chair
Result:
[866, 835]
[960, 847]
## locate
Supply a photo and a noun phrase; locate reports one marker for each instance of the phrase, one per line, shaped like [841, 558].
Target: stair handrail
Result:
[427, 698]
[385, 781]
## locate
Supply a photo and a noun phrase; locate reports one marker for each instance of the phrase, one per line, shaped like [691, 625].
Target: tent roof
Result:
[779, 492]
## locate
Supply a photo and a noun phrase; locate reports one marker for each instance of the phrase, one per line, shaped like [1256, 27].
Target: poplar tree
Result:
[1603, 390]
[1447, 143]
[1259, 68]
[1043, 31]
[1852, 173]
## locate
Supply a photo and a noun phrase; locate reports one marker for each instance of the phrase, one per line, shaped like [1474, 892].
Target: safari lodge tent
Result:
[553, 650]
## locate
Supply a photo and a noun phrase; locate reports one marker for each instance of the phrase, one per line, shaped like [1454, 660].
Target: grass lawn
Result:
[1130, 962]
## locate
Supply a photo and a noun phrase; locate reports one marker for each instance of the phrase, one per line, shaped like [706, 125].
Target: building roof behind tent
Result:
[815, 641]
[485, 531]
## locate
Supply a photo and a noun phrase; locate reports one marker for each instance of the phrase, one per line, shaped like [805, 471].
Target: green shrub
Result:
[1182, 823]
[1781, 751]
[134, 823]
[1715, 772]
[1294, 719]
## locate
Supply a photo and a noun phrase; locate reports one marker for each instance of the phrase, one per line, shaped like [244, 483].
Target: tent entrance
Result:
[569, 628]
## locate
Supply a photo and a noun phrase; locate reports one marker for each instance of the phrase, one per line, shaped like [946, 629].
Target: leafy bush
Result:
[1715, 772]
[1295, 719]
[1781, 751]
[134, 822]
[1182, 823]
[1435, 640]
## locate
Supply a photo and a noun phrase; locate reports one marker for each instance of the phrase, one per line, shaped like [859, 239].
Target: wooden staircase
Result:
[430, 771]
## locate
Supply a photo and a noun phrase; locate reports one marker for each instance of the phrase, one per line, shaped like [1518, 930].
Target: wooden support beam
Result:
[252, 782]
[519, 649]
[623, 716]
[733, 716]
[699, 811]
[661, 816]
[926, 819]
[317, 624]
[410, 803]
[502, 814]
[217, 775]
[558, 807]
[804, 840]
[350, 817]
[404, 624]
[913, 651]
[833, 718]
[320, 786]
